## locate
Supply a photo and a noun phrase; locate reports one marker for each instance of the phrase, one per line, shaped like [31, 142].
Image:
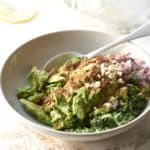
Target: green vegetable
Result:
[73, 60]
[56, 78]
[123, 93]
[54, 85]
[34, 91]
[65, 109]
[145, 92]
[37, 78]
[84, 101]
[25, 92]
[80, 104]
[36, 97]
[132, 90]
[134, 79]
[94, 98]
[101, 110]
[55, 115]
[36, 111]
[61, 117]
[104, 122]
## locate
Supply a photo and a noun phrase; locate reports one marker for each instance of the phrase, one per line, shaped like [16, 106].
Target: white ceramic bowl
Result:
[37, 52]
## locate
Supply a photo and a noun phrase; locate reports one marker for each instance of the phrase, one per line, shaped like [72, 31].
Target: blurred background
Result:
[119, 16]
[116, 15]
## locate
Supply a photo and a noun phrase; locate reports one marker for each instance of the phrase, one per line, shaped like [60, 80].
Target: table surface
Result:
[14, 134]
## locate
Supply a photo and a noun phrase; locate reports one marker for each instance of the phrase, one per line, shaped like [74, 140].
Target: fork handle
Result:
[142, 31]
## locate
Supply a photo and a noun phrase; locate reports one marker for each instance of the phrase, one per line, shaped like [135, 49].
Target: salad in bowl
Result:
[88, 94]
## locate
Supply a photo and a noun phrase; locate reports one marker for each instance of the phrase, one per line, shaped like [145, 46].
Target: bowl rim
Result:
[48, 128]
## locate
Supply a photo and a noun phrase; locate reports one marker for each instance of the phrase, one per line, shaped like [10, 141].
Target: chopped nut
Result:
[108, 105]
[99, 76]
[102, 67]
[120, 80]
[97, 84]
